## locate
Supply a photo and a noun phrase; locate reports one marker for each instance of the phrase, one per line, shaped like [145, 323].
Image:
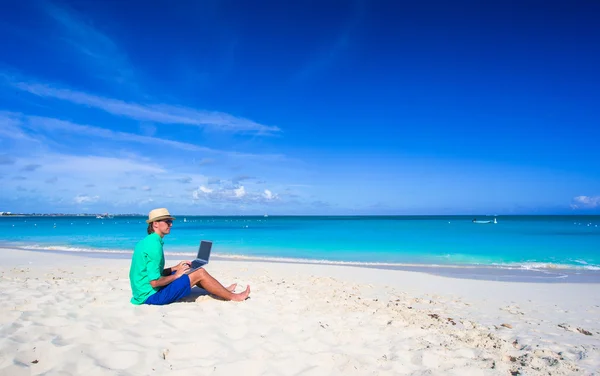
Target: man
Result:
[151, 283]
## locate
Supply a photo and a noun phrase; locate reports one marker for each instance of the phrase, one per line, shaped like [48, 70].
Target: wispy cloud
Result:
[157, 113]
[241, 178]
[84, 199]
[585, 202]
[343, 40]
[92, 131]
[98, 50]
[6, 160]
[80, 166]
[16, 123]
[10, 128]
[31, 167]
[78, 179]
[206, 161]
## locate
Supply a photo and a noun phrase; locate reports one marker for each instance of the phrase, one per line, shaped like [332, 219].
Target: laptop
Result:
[202, 257]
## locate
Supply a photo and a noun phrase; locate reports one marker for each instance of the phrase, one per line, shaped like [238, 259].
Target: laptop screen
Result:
[204, 250]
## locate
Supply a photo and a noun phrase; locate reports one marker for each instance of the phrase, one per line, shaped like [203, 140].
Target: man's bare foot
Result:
[242, 295]
[232, 287]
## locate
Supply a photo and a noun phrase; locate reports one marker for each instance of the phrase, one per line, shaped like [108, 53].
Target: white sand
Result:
[67, 314]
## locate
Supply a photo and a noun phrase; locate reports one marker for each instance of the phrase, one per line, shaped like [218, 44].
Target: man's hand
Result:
[185, 264]
[182, 267]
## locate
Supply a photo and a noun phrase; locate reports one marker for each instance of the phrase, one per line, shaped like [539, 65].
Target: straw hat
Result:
[158, 214]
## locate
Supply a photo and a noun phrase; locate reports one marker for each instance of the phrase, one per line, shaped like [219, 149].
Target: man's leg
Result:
[172, 292]
[201, 278]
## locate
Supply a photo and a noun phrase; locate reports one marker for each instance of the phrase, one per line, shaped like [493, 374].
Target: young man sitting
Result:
[151, 283]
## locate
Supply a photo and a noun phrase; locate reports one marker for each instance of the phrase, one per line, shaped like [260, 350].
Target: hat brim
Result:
[159, 218]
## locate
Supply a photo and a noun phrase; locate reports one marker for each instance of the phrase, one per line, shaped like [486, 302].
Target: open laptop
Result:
[202, 257]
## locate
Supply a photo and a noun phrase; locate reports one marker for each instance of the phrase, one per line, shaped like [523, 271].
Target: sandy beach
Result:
[70, 315]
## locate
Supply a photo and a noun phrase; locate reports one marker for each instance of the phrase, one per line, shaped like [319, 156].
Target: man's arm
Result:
[168, 276]
[163, 281]
[172, 269]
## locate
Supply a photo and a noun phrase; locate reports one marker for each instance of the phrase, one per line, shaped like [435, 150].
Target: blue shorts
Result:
[172, 292]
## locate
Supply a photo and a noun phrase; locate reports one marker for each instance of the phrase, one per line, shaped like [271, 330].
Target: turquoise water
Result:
[515, 241]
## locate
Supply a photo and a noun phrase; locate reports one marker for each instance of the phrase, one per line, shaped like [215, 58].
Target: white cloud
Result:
[234, 194]
[583, 202]
[157, 113]
[82, 199]
[268, 195]
[202, 191]
[239, 192]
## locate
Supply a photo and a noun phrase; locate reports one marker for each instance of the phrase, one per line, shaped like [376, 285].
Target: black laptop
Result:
[202, 257]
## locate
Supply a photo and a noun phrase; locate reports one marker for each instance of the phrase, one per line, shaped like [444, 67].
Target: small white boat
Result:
[485, 222]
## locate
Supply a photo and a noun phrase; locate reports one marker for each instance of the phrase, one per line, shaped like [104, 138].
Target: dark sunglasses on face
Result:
[168, 221]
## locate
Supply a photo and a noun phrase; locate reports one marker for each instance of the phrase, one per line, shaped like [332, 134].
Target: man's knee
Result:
[201, 272]
[197, 275]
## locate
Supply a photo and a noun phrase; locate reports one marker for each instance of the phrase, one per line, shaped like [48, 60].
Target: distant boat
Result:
[485, 222]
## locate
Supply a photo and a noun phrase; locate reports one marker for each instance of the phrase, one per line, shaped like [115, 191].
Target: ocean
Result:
[516, 247]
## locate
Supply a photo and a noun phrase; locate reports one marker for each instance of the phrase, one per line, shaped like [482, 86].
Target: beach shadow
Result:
[196, 293]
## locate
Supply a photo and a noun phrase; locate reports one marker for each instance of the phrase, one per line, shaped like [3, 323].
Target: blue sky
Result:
[300, 107]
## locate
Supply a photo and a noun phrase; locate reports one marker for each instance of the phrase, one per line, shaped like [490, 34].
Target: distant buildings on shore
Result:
[104, 215]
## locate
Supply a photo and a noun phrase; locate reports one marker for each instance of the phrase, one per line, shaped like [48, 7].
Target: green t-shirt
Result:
[147, 264]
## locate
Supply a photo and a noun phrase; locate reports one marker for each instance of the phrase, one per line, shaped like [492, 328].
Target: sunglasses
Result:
[167, 221]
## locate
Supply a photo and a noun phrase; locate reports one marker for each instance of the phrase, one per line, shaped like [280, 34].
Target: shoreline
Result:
[511, 274]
